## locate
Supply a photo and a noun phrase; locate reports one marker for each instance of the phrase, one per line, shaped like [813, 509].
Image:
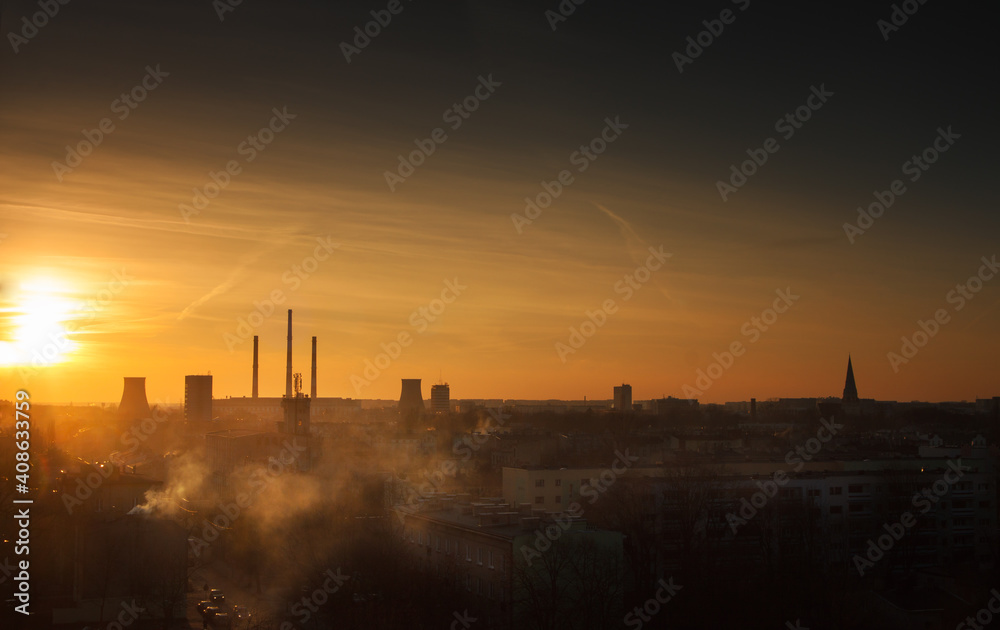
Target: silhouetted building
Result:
[440, 398]
[623, 397]
[296, 414]
[411, 398]
[198, 398]
[134, 405]
[850, 389]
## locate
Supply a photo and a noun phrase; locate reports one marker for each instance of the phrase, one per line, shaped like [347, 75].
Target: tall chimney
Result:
[313, 392]
[254, 366]
[288, 365]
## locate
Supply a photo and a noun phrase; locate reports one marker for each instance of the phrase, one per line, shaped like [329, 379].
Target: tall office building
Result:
[623, 397]
[440, 398]
[198, 398]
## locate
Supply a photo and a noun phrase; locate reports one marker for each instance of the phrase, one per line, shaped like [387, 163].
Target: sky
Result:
[113, 265]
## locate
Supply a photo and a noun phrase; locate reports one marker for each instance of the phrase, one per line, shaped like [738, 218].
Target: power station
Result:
[133, 406]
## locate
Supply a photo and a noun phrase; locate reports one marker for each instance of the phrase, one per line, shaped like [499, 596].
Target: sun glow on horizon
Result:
[36, 320]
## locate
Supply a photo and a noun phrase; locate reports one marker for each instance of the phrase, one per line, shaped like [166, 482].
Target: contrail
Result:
[638, 249]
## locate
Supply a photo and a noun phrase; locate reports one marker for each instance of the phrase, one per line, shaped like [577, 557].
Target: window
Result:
[855, 488]
[492, 590]
[836, 509]
[539, 483]
[500, 563]
[491, 559]
[447, 546]
[479, 585]
[479, 556]
[836, 490]
[468, 552]
[468, 582]
[437, 543]
[857, 507]
[558, 482]
[814, 493]
[539, 500]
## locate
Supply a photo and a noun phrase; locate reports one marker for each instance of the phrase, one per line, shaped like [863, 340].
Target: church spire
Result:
[850, 389]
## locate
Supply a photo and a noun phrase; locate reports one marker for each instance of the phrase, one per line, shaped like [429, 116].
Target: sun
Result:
[34, 322]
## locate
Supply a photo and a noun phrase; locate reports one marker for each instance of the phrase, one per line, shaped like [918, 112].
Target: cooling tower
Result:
[254, 391]
[134, 405]
[411, 398]
[313, 389]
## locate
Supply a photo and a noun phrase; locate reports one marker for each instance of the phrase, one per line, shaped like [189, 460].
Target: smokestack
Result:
[313, 392]
[254, 366]
[288, 365]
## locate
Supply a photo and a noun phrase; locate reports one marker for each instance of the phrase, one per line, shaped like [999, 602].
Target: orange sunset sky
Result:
[323, 176]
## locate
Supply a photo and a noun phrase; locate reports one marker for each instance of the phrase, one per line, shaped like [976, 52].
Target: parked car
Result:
[202, 605]
[220, 620]
[241, 613]
[210, 611]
